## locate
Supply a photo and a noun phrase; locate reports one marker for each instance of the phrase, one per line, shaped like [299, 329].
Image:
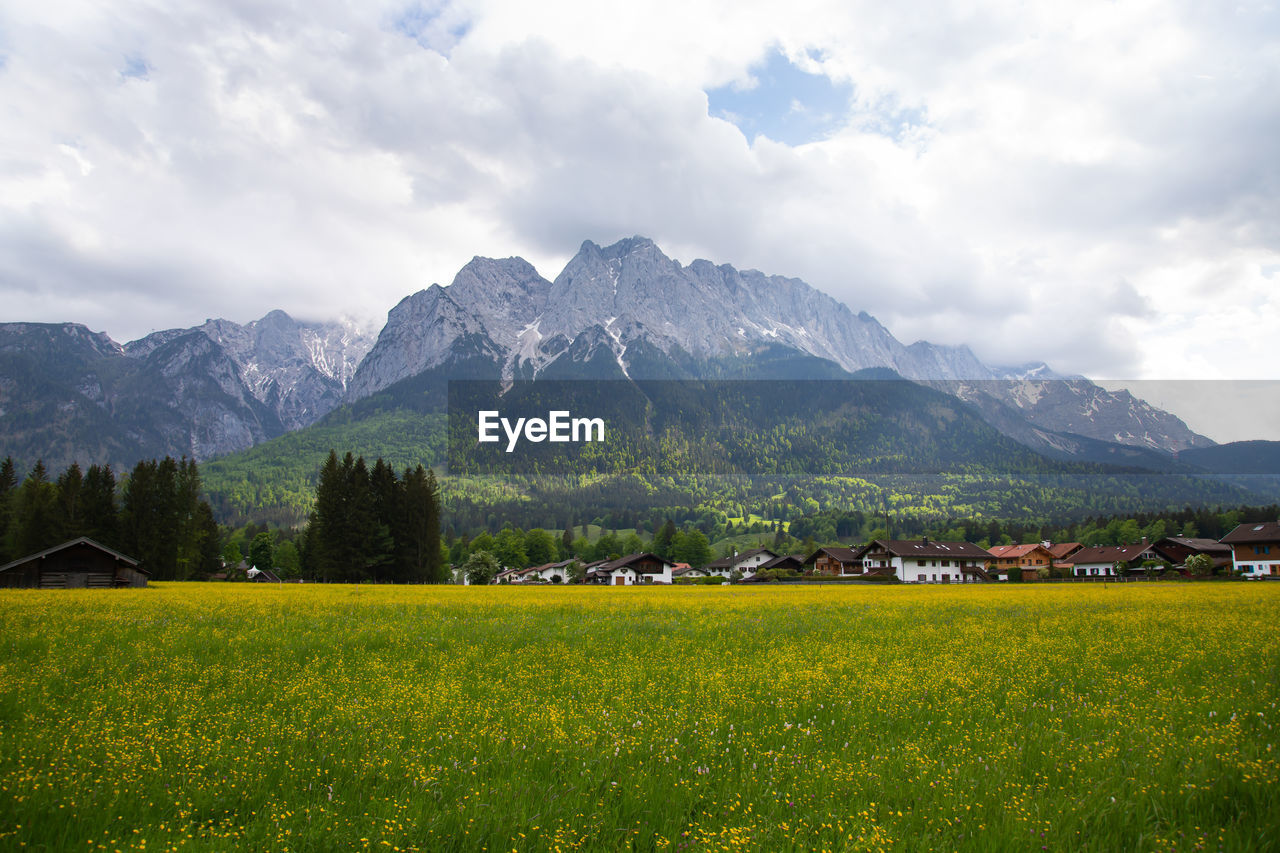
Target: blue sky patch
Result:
[786, 104]
[425, 24]
[135, 66]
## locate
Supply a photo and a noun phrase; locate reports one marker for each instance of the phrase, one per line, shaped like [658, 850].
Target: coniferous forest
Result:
[156, 516]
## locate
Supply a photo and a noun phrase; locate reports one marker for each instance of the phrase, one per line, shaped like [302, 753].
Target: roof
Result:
[686, 569]
[1063, 549]
[925, 547]
[1261, 531]
[1015, 552]
[843, 555]
[1204, 546]
[1109, 553]
[797, 559]
[629, 559]
[83, 540]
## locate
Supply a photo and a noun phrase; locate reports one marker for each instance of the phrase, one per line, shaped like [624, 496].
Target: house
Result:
[1062, 551]
[1028, 560]
[550, 572]
[835, 561]
[684, 570]
[926, 561]
[262, 575]
[745, 563]
[79, 563]
[1100, 561]
[1176, 549]
[1255, 549]
[787, 562]
[630, 570]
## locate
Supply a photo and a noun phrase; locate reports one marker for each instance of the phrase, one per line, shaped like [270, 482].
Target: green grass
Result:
[211, 717]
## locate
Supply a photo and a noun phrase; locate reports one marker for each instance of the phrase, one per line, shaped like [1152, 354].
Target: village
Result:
[1250, 551]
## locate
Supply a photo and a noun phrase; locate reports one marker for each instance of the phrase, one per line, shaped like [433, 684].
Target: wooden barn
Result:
[78, 564]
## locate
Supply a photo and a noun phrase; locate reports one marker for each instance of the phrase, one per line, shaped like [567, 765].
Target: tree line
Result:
[155, 516]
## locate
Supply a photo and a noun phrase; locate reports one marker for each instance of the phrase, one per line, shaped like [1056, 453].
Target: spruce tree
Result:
[101, 517]
[8, 489]
[35, 523]
[70, 506]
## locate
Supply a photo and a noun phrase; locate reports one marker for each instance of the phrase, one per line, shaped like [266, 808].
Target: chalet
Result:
[262, 575]
[79, 563]
[1101, 560]
[835, 561]
[630, 570]
[1255, 549]
[746, 563]
[1176, 549]
[926, 561]
[1028, 560]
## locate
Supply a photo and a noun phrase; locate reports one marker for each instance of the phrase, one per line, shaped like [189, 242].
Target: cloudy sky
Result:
[1091, 184]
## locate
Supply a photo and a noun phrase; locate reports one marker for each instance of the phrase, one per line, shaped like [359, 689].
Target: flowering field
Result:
[1139, 717]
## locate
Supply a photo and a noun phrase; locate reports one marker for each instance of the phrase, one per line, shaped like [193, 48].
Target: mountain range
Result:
[624, 311]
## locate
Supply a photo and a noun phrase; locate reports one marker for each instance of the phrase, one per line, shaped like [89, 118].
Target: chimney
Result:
[1145, 543]
[924, 540]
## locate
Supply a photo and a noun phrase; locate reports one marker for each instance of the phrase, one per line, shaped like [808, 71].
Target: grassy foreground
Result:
[304, 717]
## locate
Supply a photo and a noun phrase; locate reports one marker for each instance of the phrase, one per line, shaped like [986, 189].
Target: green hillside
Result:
[275, 481]
[694, 450]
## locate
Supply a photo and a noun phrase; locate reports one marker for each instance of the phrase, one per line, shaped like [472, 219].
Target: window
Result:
[946, 563]
[921, 562]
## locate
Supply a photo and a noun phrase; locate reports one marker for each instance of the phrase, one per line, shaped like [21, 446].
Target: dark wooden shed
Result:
[78, 564]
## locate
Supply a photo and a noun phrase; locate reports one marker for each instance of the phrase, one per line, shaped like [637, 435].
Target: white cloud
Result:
[1078, 183]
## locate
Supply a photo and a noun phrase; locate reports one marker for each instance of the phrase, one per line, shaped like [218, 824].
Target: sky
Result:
[1091, 184]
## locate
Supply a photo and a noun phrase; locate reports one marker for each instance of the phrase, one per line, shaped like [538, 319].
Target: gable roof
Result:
[841, 555]
[1261, 531]
[1063, 549]
[925, 547]
[786, 559]
[627, 561]
[1016, 552]
[1109, 554]
[83, 540]
[1203, 546]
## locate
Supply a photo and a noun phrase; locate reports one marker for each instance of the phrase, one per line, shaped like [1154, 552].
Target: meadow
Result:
[215, 717]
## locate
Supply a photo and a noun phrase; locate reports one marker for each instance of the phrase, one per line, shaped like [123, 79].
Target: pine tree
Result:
[323, 542]
[190, 533]
[419, 545]
[101, 517]
[8, 490]
[35, 515]
[70, 506]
